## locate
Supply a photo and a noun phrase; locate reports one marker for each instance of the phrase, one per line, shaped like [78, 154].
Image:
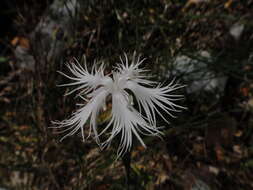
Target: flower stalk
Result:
[126, 159]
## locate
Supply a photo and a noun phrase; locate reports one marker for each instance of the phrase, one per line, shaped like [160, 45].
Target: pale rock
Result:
[197, 74]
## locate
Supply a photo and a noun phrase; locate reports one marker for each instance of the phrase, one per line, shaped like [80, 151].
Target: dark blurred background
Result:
[206, 45]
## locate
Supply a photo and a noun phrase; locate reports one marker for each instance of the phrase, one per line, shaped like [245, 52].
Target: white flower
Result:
[127, 81]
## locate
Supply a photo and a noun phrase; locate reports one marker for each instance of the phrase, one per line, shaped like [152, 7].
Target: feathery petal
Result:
[133, 71]
[127, 121]
[151, 98]
[80, 117]
[85, 80]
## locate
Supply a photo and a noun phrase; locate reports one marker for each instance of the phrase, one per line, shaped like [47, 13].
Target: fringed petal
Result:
[80, 117]
[85, 80]
[150, 99]
[127, 122]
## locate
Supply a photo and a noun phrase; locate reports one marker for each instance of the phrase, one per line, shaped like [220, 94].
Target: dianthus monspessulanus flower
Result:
[126, 82]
